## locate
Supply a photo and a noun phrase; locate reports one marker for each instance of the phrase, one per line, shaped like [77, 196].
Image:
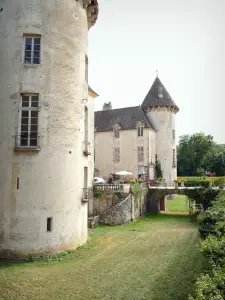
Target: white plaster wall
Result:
[128, 143]
[165, 142]
[51, 180]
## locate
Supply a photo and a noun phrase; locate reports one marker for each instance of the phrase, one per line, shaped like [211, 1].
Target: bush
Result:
[204, 196]
[140, 181]
[212, 226]
[210, 288]
[218, 181]
[132, 181]
[214, 249]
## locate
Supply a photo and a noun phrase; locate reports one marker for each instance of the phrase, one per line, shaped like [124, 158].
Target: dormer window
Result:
[160, 92]
[140, 130]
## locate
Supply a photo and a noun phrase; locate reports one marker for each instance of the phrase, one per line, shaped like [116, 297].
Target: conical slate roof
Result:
[158, 96]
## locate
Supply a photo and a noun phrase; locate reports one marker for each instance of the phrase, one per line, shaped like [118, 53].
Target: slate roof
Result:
[153, 99]
[126, 117]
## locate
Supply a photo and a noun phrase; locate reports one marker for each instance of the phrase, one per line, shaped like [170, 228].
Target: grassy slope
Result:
[180, 204]
[153, 259]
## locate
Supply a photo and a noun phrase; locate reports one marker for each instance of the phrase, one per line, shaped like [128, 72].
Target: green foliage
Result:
[213, 247]
[204, 196]
[97, 194]
[212, 227]
[192, 153]
[210, 287]
[132, 181]
[140, 181]
[158, 168]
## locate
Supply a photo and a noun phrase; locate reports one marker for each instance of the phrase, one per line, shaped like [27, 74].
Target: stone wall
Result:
[96, 206]
[126, 211]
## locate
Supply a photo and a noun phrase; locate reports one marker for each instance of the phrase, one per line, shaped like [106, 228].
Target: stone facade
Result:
[150, 127]
[41, 187]
[128, 143]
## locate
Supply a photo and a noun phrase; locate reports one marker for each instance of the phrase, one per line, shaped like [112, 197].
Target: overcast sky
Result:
[183, 39]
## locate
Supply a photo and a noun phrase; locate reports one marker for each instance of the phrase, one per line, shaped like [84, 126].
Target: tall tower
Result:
[43, 84]
[161, 110]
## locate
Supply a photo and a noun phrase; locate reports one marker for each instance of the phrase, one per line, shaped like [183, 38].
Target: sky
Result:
[183, 39]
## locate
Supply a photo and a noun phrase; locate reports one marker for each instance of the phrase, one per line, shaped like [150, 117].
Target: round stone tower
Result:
[43, 85]
[161, 111]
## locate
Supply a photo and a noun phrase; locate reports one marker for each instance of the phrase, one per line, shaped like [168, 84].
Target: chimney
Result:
[107, 106]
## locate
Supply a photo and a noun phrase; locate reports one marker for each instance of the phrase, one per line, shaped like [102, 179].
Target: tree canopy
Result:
[198, 154]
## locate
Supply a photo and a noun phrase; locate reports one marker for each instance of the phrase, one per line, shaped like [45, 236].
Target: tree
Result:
[158, 169]
[192, 153]
[215, 160]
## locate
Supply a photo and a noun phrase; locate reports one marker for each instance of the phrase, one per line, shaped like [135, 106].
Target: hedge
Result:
[212, 227]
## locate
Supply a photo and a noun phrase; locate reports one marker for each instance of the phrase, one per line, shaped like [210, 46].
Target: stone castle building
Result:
[46, 125]
[129, 138]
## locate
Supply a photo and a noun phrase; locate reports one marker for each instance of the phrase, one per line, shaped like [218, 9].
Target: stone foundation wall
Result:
[97, 206]
[126, 211]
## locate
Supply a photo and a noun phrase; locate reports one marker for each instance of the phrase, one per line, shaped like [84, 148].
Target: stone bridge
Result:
[156, 196]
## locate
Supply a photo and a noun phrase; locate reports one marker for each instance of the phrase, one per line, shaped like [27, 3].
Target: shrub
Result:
[132, 181]
[218, 181]
[140, 181]
[121, 181]
[204, 196]
[214, 248]
[210, 288]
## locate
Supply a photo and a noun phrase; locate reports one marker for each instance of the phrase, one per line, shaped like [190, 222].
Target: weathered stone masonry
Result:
[44, 182]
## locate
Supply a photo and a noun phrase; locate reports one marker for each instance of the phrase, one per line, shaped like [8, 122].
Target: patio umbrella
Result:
[123, 173]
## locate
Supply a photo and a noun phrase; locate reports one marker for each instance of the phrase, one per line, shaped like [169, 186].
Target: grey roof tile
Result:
[153, 98]
[126, 117]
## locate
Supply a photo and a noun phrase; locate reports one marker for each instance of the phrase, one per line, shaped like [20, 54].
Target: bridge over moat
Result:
[156, 196]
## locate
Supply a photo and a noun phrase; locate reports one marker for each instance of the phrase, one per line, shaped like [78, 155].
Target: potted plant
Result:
[176, 183]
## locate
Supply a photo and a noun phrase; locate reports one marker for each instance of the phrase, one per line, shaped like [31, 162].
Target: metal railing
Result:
[108, 187]
[87, 194]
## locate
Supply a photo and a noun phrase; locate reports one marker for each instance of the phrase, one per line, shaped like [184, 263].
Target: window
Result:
[116, 155]
[174, 157]
[173, 133]
[86, 68]
[32, 49]
[116, 133]
[86, 124]
[28, 121]
[49, 224]
[140, 154]
[140, 130]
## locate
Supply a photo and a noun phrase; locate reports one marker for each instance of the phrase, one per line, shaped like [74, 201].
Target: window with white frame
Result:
[140, 130]
[28, 121]
[32, 49]
[140, 154]
[116, 155]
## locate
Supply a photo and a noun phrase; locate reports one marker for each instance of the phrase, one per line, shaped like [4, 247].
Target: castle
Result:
[46, 125]
[131, 138]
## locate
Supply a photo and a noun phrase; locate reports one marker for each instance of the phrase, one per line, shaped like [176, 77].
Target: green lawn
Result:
[180, 203]
[156, 258]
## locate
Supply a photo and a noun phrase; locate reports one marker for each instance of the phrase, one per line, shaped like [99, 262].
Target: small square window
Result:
[49, 224]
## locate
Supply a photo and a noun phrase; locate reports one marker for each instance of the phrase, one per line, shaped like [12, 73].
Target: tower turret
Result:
[43, 81]
[160, 109]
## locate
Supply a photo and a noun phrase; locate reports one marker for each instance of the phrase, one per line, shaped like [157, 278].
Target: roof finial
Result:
[157, 73]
